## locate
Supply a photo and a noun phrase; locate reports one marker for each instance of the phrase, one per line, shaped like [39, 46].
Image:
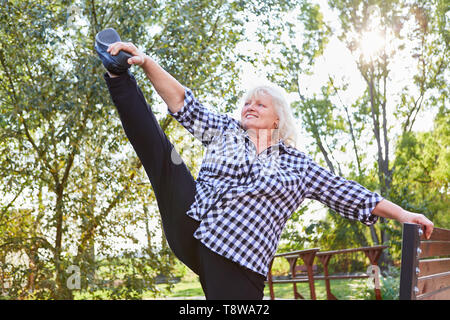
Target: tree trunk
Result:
[58, 239]
[384, 174]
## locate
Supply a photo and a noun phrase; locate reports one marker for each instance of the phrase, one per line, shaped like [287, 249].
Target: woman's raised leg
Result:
[172, 183]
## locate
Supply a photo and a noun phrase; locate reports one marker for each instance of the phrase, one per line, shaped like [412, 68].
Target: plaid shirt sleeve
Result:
[201, 122]
[346, 197]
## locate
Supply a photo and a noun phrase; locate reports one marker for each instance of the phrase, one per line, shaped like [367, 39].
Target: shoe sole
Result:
[102, 41]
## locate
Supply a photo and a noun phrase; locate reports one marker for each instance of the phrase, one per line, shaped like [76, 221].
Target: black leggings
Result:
[174, 189]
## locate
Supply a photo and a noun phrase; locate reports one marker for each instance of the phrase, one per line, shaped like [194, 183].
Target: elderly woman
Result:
[225, 225]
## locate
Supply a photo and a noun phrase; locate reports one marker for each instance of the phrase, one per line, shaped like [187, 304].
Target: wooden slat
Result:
[438, 234]
[321, 253]
[434, 248]
[290, 257]
[359, 276]
[296, 253]
[295, 280]
[333, 277]
[432, 266]
[433, 282]
[443, 294]
[305, 279]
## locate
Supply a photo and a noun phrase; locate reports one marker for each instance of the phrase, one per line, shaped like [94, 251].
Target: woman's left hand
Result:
[387, 209]
[417, 218]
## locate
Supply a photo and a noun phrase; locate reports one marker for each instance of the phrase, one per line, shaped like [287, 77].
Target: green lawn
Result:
[190, 286]
[342, 289]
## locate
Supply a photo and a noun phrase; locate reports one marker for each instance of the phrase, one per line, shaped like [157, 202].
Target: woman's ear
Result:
[277, 123]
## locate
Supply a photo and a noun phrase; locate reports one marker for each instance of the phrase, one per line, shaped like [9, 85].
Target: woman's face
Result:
[259, 113]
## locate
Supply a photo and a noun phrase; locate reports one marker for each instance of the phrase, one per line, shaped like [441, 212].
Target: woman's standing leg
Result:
[172, 183]
[223, 279]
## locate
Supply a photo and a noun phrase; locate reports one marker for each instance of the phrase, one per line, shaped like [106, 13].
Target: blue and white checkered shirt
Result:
[243, 199]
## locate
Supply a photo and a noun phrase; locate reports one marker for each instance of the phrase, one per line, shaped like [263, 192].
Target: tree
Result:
[387, 20]
[66, 159]
[379, 35]
[422, 178]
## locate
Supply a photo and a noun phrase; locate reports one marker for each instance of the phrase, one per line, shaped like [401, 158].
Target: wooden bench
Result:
[302, 270]
[373, 253]
[308, 256]
[422, 278]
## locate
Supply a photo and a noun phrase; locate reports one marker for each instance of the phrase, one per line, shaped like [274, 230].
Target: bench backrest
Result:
[423, 278]
[303, 269]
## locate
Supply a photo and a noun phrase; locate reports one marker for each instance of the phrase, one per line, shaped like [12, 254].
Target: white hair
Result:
[287, 129]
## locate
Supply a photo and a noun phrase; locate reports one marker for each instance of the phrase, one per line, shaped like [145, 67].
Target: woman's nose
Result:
[250, 106]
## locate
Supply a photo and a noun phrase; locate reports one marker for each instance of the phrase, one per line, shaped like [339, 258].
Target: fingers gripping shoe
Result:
[115, 64]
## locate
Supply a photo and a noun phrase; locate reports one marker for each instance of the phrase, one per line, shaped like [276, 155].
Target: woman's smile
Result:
[259, 113]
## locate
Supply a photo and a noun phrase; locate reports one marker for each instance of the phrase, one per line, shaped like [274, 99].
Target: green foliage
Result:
[127, 277]
[412, 29]
[64, 149]
[71, 187]
[389, 285]
[423, 171]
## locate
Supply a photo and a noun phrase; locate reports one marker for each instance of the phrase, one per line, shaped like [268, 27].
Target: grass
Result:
[189, 286]
[341, 289]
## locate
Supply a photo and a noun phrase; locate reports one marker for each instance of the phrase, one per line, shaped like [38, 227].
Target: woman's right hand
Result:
[138, 57]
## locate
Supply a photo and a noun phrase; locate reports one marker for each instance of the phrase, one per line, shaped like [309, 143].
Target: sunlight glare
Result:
[371, 44]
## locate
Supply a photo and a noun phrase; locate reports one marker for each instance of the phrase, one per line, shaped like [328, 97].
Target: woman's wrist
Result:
[147, 64]
[387, 209]
[406, 216]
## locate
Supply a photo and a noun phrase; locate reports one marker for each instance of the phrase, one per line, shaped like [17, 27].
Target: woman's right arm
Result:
[183, 106]
[168, 88]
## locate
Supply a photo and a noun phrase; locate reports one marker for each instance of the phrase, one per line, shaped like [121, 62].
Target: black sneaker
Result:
[117, 64]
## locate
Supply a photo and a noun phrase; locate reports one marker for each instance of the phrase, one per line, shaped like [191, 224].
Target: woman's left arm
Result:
[387, 209]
